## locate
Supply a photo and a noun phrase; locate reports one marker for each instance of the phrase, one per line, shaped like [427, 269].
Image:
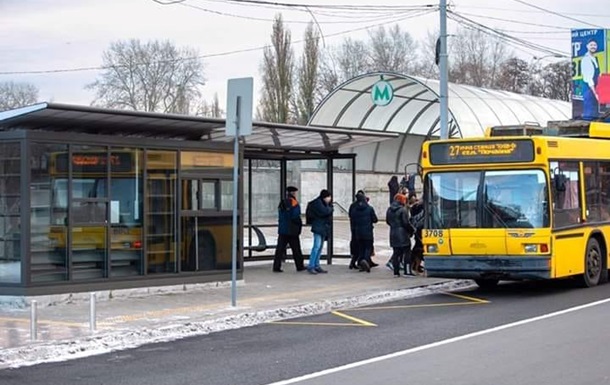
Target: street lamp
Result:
[534, 65]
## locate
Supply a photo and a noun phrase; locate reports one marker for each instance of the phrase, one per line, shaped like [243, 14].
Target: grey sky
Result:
[60, 34]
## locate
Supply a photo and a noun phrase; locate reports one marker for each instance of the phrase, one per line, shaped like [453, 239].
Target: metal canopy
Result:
[415, 110]
[93, 120]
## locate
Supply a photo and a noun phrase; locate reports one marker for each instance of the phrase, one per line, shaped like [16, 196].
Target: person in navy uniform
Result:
[289, 230]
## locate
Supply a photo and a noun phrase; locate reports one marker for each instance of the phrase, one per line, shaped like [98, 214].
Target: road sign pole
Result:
[235, 207]
[239, 123]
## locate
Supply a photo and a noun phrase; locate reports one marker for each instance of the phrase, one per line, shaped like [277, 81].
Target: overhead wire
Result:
[509, 39]
[530, 11]
[516, 21]
[222, 13]
[219, 54]
[558, 14]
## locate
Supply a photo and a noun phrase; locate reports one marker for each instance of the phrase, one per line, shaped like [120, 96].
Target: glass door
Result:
[202, 227]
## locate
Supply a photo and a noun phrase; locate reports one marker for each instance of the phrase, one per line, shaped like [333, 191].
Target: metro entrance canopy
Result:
[410, 106]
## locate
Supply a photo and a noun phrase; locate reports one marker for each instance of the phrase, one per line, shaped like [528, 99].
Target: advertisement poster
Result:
[590, 74]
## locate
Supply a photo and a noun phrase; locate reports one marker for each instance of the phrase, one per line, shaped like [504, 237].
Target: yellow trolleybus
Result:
[517, 206]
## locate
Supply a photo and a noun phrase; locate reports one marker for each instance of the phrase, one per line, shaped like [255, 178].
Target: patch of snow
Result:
[127, 339]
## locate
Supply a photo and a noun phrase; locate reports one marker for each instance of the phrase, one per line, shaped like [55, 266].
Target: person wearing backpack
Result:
[362, 217]
[289, 230]
[319, 214]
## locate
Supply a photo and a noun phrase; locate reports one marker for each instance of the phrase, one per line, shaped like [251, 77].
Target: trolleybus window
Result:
[492, 199]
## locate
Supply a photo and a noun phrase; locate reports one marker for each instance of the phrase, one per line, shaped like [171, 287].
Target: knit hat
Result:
[324, 194]
[291, 189]
[401, 198]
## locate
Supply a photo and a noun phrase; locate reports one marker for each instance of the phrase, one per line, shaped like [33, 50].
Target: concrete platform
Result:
[263, 296]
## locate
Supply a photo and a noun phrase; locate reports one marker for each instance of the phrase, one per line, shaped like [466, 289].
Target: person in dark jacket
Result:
[397, 217]
[362, 217]
[289, 229]
[321, 225]
[393, 187]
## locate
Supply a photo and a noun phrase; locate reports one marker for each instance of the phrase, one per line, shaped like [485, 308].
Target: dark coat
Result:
[361, 218]
[289, 217]
[397, 217]
[322, 217]
[393, 187]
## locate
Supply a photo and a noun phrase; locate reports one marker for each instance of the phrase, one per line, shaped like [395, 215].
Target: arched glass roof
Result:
[414, 110]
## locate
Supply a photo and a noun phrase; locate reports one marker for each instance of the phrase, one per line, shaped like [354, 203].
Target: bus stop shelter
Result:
[95, 199]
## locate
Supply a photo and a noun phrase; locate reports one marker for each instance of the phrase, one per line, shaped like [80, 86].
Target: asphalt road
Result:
[275, 352]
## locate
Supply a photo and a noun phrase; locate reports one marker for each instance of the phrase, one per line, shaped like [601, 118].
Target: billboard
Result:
[590, 74]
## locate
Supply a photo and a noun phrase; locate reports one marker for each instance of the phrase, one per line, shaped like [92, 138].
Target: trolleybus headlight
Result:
[432, 248]
[531, 248]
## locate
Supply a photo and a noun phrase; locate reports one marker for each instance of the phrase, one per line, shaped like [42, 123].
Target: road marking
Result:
[354, 321]
[439, 343]
[296, 323]
[471, 301]
[466, 297]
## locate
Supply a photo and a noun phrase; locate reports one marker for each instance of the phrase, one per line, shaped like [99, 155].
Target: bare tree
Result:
[277, 70]
[15, 95]
[426, 64]
[393, 50]
[209, 109]
[386, 50]
[556, 79]
[308, 76]
[153, 76]
[344, 62]
[514, 76]
[475, 58]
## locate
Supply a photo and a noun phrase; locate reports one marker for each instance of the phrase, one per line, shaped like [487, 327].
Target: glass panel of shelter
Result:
[206, 210]
[10, 213]
[48, 212]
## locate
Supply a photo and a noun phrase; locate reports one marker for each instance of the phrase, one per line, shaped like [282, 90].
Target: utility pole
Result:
[444, 87]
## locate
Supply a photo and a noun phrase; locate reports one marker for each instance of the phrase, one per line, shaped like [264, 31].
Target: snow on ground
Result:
[56, 351]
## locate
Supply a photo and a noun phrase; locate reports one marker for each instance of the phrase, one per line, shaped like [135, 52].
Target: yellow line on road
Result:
[418, 306]
[353, 319]
[315, 323]
[466, 297]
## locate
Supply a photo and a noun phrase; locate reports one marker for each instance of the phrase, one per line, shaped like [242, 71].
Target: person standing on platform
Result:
[362, 218]
[393, 187]
[321, 225]
[289, 230]
[401, 230]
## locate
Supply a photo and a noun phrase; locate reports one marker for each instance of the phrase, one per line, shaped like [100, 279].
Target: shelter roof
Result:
[92, 120]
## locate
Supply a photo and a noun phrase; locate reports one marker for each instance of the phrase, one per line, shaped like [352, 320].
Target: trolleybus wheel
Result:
[593, 264]
[487, 284]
